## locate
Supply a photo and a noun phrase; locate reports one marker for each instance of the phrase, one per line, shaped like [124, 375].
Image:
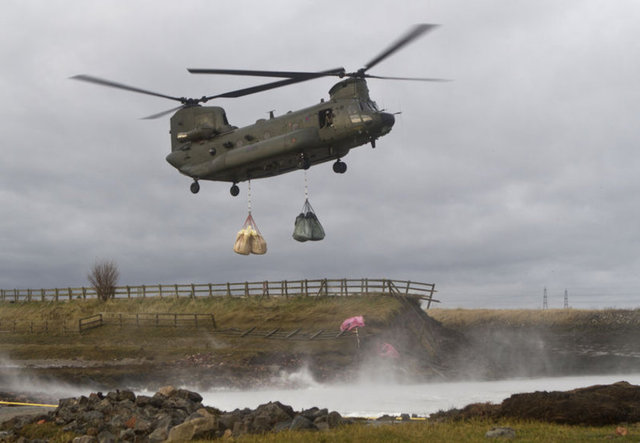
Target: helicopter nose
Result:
[388, 119]
[386, 122]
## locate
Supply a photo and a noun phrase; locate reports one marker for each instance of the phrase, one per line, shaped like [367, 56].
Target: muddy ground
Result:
[597, 405]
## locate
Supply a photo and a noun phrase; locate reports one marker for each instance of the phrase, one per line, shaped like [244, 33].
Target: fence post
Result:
[177, 291]
[128, 291]
[246, 289]
[57, 294]
[70, 294]
[228, 289]
[306, 287]
[210, 290]
[193, 291]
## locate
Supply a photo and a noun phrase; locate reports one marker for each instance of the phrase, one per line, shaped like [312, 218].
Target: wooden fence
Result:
[285, 288]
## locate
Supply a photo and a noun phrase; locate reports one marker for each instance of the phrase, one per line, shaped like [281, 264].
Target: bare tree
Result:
[104, 277]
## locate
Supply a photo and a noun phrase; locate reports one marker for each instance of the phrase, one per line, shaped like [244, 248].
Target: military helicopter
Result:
[204, 146]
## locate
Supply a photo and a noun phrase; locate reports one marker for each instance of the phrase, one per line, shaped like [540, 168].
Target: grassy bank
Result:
[26, 339]
[561, 318]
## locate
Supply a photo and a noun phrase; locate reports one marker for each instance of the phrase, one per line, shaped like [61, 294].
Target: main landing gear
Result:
[195, 187]
[235, 190]
[339, 167]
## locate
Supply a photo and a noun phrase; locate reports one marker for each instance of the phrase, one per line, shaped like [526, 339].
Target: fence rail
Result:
[284, 288]
[86, 323]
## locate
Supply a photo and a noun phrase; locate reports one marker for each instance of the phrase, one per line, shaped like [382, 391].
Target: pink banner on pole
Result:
[352, 322]
[388, 351]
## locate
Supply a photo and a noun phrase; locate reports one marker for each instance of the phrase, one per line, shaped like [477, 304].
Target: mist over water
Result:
[373, 393]
[375, 399]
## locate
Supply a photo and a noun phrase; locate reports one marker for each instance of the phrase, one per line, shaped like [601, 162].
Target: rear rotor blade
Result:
[111, 84]
[416, 32]
[264, 87]
[162, 114]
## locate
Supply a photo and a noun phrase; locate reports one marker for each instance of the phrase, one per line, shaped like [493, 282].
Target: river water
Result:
[375, 399]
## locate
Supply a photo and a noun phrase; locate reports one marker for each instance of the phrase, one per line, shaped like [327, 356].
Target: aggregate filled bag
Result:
[258, 243]
[302, 229]
[249, 240]
[243, 242]
[307, 226]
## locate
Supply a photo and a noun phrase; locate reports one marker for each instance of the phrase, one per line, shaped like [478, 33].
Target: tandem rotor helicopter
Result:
[204, 146]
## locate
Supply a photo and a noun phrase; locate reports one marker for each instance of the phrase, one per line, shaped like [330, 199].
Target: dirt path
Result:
[8, 412]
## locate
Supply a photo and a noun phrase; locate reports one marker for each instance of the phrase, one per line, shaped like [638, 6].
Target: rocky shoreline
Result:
[171, 415]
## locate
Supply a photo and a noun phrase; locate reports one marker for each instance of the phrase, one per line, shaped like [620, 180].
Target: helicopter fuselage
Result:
[206, 147]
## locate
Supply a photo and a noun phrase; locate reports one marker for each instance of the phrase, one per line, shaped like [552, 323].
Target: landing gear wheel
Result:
[303, 162]
[339, 167]
[195, 187]
[235, 190]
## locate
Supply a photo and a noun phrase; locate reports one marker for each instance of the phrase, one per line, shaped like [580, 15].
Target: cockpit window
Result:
[325, 118]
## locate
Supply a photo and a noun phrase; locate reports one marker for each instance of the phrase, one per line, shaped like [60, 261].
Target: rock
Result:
[158, 435]
[191, 396]
[501, 433]
[196, 428]
[301, 422]
[334, 419]
[106, 437]
[167, 391]
[85, 439]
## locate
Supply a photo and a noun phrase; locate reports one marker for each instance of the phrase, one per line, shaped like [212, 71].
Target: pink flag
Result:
[352, 322]
[387, 350]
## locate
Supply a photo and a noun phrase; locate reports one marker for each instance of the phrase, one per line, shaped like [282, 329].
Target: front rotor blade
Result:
[109, 83]
[419, 79]
[416, 32]
[288, 74]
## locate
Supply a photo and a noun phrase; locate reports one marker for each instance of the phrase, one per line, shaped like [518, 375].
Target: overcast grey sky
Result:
[520, 174]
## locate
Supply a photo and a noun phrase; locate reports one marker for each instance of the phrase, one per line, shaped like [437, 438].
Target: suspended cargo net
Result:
[307, 225]
[249, 240]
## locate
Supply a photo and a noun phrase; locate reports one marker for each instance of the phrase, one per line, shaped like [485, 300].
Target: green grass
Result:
[467, 431]
[470, 431]
[560, 318]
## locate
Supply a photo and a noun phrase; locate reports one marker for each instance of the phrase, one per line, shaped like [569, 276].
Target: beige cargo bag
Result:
[249, 240]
